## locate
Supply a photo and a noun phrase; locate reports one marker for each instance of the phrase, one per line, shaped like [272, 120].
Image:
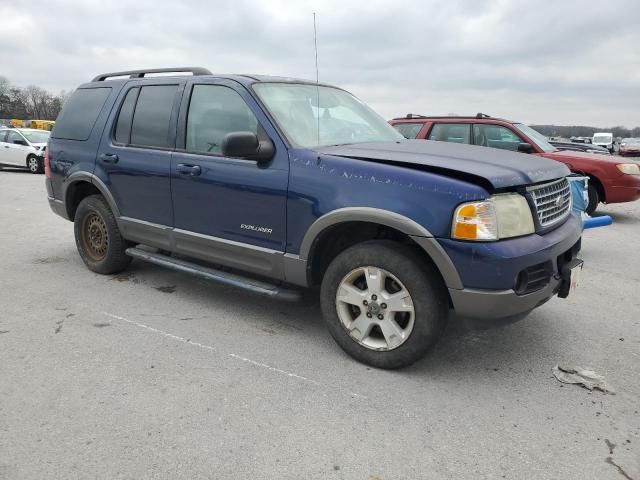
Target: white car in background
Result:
[603, 139]
[23, 147]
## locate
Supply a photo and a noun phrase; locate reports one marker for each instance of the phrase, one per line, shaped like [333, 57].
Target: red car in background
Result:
[611, 180]
[630, 147]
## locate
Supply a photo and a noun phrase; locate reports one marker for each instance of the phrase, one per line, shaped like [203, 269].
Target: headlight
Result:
[500, 216]
[629, 168]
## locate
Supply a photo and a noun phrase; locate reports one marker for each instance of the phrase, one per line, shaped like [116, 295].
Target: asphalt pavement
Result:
[153, 374]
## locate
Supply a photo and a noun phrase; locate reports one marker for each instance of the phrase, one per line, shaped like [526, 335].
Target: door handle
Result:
[109, 158]
[184, 169]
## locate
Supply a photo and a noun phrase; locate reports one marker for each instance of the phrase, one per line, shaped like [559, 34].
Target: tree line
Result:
[582, 131]
[30, 102]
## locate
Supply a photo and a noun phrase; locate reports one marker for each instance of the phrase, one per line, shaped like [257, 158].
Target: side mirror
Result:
[20, 142]
[525, 147]
[247, 145]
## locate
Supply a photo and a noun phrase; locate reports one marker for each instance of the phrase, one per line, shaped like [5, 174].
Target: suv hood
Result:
[500, 168]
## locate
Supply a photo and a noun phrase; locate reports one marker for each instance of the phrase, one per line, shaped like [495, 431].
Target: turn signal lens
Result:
[475, 221]
[629, 168]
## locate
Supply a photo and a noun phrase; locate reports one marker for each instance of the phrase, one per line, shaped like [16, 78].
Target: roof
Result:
[411, 117]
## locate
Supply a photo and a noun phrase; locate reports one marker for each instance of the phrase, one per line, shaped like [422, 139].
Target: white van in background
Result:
[603, 139]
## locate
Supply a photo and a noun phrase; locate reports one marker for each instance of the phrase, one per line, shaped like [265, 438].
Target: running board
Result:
[234, 280]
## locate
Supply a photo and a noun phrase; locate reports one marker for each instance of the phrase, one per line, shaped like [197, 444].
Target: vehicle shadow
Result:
[618, 217]
[464, 349]
[302, 316]
[469, 351]
[14, 170]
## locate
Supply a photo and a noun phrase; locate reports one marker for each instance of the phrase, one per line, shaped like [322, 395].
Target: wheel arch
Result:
[79, 186]
[599, 187]
[355, 225]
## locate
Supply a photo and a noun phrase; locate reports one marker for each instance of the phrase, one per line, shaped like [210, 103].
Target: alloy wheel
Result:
[34, 164]
[375, 308]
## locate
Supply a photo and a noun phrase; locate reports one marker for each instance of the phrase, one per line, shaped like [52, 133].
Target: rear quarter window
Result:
[80, 113]
[122, 132]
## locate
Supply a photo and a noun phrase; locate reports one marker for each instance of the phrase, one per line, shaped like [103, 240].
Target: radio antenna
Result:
[315, 44]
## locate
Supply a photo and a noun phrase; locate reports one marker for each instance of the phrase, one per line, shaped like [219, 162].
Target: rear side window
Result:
[122, 133]
[451, 132]
[408, 130]
[80, 113]
[151, 119]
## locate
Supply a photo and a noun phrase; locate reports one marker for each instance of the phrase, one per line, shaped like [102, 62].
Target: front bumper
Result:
[624, 188]
[499, 304]
[629, 151]
[490, 271]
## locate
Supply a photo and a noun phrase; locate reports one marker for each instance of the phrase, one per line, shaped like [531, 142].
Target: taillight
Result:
[47, 167]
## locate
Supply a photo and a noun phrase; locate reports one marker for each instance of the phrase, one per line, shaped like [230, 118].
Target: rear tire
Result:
[383, 304]
[594, 199]
[98, 239]
[35, 164]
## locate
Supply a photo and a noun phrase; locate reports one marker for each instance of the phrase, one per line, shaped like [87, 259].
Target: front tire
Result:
[594, 199]
[35, 164]
[383, 304]
[98, 239]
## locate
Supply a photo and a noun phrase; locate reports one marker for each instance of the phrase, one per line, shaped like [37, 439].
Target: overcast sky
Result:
[562, 61]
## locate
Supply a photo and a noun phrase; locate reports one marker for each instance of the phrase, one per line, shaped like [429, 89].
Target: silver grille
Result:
[552, 201]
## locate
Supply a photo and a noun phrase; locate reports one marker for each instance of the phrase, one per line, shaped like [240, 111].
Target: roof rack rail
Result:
[410, 115]
[141, 73]
[483, 115]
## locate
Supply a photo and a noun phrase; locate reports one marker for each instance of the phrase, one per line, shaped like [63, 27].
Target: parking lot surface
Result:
[152, 374]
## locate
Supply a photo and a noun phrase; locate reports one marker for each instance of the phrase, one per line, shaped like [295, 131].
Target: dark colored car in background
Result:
[610, 180]
[580, 147]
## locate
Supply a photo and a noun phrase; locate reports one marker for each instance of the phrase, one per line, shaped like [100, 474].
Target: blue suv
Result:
[272, 184]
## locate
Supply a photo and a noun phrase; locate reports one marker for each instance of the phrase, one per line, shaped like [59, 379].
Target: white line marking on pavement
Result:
[232, 355]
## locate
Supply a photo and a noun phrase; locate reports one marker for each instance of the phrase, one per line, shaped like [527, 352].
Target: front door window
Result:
[451, 132]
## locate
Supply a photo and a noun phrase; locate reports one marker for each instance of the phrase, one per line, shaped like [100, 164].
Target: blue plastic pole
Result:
[594, 222]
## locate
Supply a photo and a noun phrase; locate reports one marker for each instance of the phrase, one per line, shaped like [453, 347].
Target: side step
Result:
[234, 280]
